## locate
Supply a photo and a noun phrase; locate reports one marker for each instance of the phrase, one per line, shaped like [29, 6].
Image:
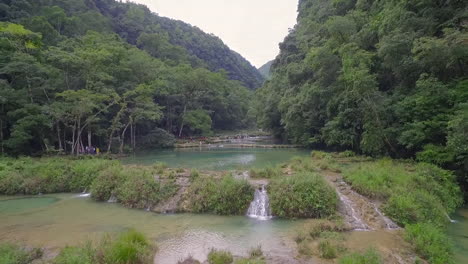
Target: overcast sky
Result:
[253, 28]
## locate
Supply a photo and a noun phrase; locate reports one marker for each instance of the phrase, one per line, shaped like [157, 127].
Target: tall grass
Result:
[130, 247]
[414, 192]
[226, 196]
[430, 242]
[303, 195]
[370, 256]
[13, 254]
[418, 196]
[49, 175]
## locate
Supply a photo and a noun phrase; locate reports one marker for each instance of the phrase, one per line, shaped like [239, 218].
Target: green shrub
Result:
[13, 254]
[83, 172]
[160, 167]
[318, 227]
[219, 257]
[129, 247]
[346, 154]
[249, 261]
[415, 192]
[256, 252]
[303, 195]
[319, 154]
[49, 175]
[327, 249]
[371, 256]
[266, 173]
[416, 206]
[76, 255]
[139, 190]
[194, 174]
[430, 242]
[226, 196]
[107, 183]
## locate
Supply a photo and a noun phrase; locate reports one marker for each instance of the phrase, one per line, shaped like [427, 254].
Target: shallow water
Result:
[458, 231]
[216, 158]
[68, 219]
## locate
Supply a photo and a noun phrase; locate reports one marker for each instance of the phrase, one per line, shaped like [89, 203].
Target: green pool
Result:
[216, 158]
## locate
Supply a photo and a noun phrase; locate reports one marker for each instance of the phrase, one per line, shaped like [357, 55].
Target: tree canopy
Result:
[102, 73]
[376, 77]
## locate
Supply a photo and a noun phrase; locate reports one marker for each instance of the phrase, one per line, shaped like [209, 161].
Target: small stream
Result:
[458, 232]
[220, 158]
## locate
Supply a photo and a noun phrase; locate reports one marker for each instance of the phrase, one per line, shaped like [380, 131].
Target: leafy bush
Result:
[327, 249]
[76, 255]
[49, 175]
[107, 183]
[156, 138]
[130, 247]
[430, 242]
[226, 196]
[13, 254]
[303, 195]
[371, 256]
[139, 190]
[256, 252]
[83, 172]
[416, 206]
[219, 257]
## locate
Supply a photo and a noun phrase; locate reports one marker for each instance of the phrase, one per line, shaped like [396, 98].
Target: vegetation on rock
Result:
[226, 196]
[303, 195]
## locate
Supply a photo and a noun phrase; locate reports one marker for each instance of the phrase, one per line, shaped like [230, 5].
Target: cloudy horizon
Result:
[253, 28]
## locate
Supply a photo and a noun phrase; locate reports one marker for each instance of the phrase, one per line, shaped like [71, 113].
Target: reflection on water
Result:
[71, 220]
[458, 231]
[216, 158]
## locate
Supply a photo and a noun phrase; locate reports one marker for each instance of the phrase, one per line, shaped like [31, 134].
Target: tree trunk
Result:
[1, 137]
[59, 136]
[89, 138]
[73, 138]
[132, 142]
[122, 138]
[110, 141]
[182, 124]
[65, 139]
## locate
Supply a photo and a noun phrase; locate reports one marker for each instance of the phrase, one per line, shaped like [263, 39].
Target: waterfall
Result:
[388, 222]
[450, 219]
[260, 206]
[354, 218]
[112, 199]
[84, 195]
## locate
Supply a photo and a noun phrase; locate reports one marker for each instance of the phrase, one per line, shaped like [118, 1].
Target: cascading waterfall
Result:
[388, 222]
[450, 219]
[112, 199]
[260, 206]
[354, 219]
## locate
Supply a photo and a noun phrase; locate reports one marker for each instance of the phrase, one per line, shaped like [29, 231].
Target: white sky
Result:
[253, 28]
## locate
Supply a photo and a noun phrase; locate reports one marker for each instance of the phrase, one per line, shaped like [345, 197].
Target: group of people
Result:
[91, 150]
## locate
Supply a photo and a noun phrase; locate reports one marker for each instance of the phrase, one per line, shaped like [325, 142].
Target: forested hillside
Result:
[265, 69]
[376, 77]
[68, 80]
[161, 37]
